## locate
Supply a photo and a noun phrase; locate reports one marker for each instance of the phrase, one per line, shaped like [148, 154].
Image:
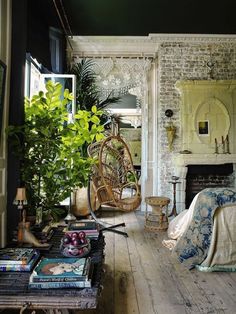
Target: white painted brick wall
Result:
[185, 61]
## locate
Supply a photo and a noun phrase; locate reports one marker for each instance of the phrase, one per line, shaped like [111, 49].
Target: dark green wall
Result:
[30, 33]
[139, 18]
[16, 103]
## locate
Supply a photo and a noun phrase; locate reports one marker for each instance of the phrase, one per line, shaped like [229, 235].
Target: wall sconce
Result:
[170, 129]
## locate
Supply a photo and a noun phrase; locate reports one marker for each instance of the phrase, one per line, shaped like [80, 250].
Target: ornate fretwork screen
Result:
[120, 76]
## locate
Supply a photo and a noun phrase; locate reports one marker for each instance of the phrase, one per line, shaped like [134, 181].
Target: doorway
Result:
[128, 111]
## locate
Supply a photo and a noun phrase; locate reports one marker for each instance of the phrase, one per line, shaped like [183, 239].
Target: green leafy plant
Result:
[49, 146]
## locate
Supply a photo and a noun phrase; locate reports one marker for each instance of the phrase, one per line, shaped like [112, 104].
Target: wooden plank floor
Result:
[142, 277]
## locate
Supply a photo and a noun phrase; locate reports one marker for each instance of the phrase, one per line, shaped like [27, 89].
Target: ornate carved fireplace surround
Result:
[211, 104]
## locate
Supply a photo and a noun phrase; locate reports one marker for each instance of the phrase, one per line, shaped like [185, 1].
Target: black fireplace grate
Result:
[200, 177]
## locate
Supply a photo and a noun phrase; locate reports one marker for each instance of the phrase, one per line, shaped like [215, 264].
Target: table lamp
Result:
[24, 234]
[21, 200]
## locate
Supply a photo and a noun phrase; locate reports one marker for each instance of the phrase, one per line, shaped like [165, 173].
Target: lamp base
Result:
[26, 236]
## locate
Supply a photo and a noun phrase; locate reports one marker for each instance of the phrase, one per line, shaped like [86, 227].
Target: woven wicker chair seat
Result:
[111, 174]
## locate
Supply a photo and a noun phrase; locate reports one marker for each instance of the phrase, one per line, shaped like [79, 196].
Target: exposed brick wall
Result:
[185, 61]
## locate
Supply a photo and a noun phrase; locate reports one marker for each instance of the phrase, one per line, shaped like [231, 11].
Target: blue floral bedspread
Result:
[192, 247]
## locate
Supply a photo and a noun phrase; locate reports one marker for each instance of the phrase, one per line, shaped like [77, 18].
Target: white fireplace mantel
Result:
[181, 162]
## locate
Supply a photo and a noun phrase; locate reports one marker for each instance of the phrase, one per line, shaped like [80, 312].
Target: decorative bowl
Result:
[72, 245]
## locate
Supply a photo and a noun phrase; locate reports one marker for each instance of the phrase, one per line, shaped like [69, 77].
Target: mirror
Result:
[2, 90]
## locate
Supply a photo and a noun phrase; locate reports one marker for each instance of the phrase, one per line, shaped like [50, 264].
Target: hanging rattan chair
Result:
[113, 176]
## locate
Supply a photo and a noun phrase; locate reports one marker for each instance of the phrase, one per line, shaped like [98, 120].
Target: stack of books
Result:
[18, 259]
[57, 273]
[44, 235]
[90, 227]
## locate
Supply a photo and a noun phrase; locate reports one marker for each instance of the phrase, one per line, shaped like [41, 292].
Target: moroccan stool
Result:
[157, 219]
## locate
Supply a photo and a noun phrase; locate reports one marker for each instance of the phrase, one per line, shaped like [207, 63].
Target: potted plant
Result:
[49, 147]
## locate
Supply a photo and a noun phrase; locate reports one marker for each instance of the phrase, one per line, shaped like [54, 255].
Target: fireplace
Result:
[204, 170]
[200, 177]
[208, 128]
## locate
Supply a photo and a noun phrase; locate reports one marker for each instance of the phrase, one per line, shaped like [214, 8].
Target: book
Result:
[16, 256]
[91, 234]
[61, 270]
[59, 285]
[80, 283]
[90, 227]
[83, 225]
[44, 237]
[21, 267]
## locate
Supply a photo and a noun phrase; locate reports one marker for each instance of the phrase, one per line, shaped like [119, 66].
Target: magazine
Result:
[20, 256]
[61, 270]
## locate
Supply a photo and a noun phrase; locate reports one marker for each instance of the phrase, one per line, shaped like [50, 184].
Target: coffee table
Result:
[15, 294]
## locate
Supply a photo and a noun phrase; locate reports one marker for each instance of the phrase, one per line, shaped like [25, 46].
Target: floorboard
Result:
[142, 277]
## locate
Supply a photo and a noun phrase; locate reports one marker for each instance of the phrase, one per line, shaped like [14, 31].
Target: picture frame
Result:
[3, 68]
[203, 128]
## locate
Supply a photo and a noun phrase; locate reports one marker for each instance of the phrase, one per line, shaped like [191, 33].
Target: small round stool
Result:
[157, 219]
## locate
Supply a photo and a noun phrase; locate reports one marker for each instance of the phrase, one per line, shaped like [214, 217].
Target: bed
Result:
[204, 236]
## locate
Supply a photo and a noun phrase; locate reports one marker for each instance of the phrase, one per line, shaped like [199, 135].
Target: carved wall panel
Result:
[212, 104]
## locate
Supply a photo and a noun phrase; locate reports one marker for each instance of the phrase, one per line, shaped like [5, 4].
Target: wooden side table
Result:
[157, 219]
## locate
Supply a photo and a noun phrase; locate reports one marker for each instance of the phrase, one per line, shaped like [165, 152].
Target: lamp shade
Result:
[20, 196]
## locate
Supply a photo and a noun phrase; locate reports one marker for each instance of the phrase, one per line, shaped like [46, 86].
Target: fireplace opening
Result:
[200, 177]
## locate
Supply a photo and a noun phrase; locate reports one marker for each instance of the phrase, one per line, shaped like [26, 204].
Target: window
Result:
[33, 72]
[35, 80]
[66, 80]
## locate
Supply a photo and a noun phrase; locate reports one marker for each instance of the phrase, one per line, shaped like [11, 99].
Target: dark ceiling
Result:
[141, 17]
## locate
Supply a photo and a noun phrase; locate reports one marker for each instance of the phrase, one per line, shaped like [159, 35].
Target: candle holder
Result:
[223, 146]
[69, 217]
[174, 181]
[227, 151]
[216, 147]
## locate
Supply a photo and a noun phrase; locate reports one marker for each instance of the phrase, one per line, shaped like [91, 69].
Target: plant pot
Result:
[80, 204]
